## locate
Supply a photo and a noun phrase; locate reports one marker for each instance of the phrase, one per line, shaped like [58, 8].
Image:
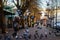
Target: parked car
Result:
[57, 25]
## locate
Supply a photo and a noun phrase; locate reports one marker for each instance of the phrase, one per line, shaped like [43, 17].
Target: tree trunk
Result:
[1, 17]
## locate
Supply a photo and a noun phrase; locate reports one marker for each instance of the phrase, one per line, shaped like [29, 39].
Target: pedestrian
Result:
[20, 27]
[41, 36]
[37, 22]
[29, 36]
[26, 25]
[32, 24]
[41, 22]
[15, 27]
[49, 32]
[46, 34]
[27, 30]
[35, 25]
[16, 37]
[7, 37]
[25, 35]
[36, 32]
[35, 37]
[21, 36]
[14, 34]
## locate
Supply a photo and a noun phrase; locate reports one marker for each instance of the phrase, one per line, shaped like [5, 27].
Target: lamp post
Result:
[56, 12]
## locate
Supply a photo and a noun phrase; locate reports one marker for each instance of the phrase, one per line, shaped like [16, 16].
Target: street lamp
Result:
[56, 12]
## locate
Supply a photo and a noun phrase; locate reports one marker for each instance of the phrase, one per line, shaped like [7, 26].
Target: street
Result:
[32, 32]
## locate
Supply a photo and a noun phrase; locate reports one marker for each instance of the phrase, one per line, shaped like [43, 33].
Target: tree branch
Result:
[14, 3]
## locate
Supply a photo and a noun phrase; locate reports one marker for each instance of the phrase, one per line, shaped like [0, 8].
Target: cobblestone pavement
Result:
[32, 32]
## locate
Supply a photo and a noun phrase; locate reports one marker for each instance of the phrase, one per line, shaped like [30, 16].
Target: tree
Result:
[23, 7]
[2, 17]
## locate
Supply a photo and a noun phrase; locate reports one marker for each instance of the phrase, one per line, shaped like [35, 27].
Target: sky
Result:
[42, 3]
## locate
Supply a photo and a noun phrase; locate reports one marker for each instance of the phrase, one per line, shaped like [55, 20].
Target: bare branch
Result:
[14, 3]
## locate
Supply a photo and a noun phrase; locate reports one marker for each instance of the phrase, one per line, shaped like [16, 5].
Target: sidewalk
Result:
[57, 33]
